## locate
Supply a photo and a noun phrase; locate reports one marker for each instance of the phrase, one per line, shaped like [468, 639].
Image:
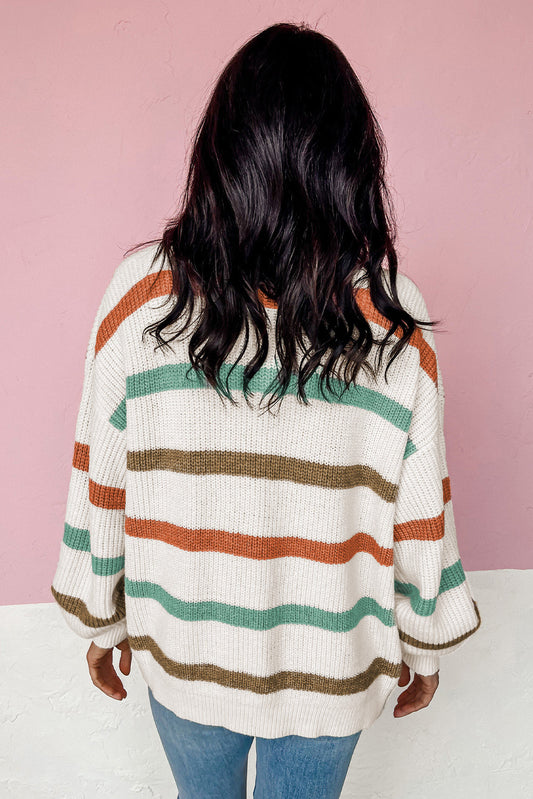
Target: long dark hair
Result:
[285, 197]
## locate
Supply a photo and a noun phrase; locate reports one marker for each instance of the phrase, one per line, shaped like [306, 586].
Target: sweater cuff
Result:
[426, 664]
[111, 636]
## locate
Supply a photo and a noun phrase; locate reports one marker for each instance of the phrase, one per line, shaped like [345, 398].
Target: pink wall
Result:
[100, 100]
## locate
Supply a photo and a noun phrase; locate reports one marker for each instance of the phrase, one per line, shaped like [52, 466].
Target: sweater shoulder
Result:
[134, 281]
[414, 302]
[133, 271]
[409, 294]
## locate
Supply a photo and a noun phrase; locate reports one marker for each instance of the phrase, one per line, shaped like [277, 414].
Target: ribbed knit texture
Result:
[271, 571]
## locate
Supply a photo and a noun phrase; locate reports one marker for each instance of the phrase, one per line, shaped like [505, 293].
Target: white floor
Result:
[61, 738]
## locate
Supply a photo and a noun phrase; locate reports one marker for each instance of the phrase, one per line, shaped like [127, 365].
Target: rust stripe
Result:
[267, 302]
[80, 459]
[431, 529]
[425, 529]
[134, 299]
[108, 497]
[257, 547]
[143, 291]
[428, 359]
[102, 496]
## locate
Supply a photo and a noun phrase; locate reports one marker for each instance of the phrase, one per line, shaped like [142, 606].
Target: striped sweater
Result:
[270, 570]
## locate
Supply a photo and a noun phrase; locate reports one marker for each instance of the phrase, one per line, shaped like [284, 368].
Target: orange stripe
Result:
[81, 457]
[101, 496]
[420, 529]
[446, 489]
[107, 497]
[257, 547]
[143, 291]
[134, 299]
[428, 360]
[267, 302]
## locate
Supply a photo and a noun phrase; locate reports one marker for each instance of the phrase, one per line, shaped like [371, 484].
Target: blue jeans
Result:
[211, 762]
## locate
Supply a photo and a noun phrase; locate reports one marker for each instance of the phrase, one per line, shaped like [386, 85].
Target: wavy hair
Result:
[285, 196]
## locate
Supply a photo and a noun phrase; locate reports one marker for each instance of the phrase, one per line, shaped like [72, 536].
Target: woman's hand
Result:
[418, 695]
[101, 668]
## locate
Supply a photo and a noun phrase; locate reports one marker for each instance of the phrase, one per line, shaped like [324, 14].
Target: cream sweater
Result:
[271, 572]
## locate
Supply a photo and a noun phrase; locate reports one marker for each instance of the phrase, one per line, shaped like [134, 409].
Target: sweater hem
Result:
[289, 712]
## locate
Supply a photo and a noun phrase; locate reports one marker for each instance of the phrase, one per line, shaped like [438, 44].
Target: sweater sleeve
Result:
[88, 584]
[434, 606]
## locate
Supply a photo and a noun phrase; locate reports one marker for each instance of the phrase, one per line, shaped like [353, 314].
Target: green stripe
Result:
[255, 619]
[79, 539]
[171, 377]
[118, 420]
[451, 577]
[76, 538]
[409, 448]
[105, 567]
[118, 417]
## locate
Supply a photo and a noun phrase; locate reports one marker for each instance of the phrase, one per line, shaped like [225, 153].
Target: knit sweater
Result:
[270, 570]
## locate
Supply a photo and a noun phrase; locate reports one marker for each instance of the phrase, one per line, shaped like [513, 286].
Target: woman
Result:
[273, 574]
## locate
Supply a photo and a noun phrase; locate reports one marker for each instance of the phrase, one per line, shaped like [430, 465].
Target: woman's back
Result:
[271, 570]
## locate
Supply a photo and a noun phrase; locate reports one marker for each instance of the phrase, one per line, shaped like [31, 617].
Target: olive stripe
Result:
[264, 466]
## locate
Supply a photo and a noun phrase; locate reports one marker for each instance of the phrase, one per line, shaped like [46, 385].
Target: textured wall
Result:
[100, 100]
